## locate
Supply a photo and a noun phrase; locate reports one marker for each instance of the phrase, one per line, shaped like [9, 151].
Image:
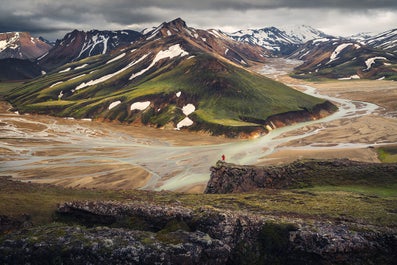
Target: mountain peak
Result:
[178, 22]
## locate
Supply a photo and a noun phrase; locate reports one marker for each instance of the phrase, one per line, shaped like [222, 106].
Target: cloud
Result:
[54, 18]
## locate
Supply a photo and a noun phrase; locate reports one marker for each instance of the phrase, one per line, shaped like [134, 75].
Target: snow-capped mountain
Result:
[344, 59]
[303, 33]
[77, 45]
[386, 41]
[21, 45]
[212, 40]
[278, 40]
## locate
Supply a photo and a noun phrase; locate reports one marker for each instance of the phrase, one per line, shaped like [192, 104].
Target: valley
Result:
[79, 153]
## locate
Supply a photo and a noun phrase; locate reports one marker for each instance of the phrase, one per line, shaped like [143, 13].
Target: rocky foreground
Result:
[148, 233]
[231, 178]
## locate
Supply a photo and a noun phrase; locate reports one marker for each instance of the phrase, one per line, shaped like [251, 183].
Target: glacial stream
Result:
[172, 167]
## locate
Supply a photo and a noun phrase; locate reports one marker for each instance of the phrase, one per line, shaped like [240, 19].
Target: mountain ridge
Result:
[153, 80]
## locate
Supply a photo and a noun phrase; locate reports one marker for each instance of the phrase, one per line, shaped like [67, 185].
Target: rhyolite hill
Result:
[173, 77]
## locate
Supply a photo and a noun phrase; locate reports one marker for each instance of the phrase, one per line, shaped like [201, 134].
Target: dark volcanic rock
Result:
[230, 178]
[172, 234]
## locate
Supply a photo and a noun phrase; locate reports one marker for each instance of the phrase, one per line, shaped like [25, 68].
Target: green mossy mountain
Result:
[169, 72]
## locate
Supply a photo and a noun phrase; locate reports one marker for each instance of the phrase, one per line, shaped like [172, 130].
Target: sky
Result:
[52, 19]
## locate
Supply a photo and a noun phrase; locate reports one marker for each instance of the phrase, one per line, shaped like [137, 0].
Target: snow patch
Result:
[41, 57]
[116, 58]
[77, 77]
[350, 78]
[337, 51]
[186, 122]
[43, 72]
[188, 109]
[204, 39]
[81, 66]
[171, 52]
[226, 51]
[140, 105]
[381, 78]
[107, 77]
[60, 95]
[57, 83]
[114, 104]
[65, 70]
[178, 94]
[169, 33]
[369, 62]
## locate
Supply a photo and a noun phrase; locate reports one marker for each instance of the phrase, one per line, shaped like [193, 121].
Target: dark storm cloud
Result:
[53, 17]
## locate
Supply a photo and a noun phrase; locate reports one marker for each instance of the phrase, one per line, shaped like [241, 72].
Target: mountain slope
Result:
[21, 45]
[17, 69]
[343, 59]
[386, 41]
[78, 45]
[174, 80]
[278, 41]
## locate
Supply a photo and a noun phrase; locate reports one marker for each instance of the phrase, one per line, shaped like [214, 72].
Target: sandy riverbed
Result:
[113, 156]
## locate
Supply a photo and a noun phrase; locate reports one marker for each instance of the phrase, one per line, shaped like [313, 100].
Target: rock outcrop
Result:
[231, 178]
[148, 233]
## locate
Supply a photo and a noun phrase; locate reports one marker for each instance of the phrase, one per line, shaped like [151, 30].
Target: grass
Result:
[225, 95]
[7, 87]
[388, 154]
[360, 203]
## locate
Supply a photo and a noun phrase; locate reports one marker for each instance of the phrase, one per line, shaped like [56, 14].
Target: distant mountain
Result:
[173, 77]
[344, 59]
[212, 40]
[77, 45]
[21, 45]
[18, 69]
[278, 41]
[386, 41]
[303, 33]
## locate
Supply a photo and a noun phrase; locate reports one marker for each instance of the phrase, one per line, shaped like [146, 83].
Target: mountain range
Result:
[282, 41]
[21, 45]
[175, 77]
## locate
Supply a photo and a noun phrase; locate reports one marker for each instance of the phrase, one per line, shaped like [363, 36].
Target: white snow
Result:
[188, 109]
[60, 95]
[178, 94]
[242, 61]
[337, 51]
[81, 66]
[171, 52]
[57, 83]
[65, 70]
[196, 35]
[77, 76]
[204, 39]
[43, 72]
[140, 105]
[116, 58]
[357, 46]
[381, 78]
[114, 104]
[320, 40]
[350, 78]
[107, 77]
[41, 57]
[169, 33]
[369, 62]
[3, 45]
[186, 122]
[226, 51]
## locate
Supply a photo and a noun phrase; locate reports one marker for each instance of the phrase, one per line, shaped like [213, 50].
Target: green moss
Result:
[388, 154]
